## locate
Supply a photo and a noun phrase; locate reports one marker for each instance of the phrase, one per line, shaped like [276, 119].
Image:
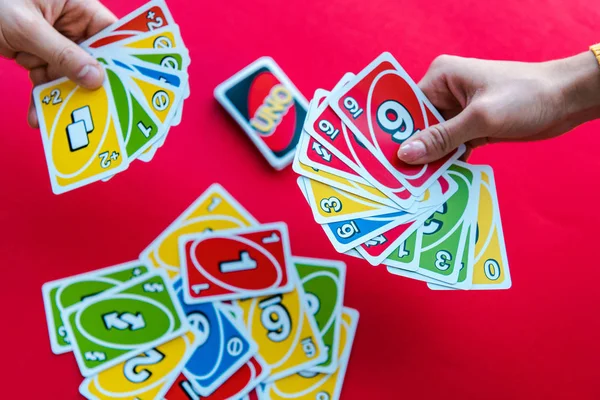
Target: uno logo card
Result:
[285, 331]
[146, 376]
[82, 138]
[236, 387]
[149, 17]
[384, 107]
[311, 385]
[323, 282]
[235, 264]
[268, 107]
[64, 293]
[124, 321]
[222, 347]
[214, 210]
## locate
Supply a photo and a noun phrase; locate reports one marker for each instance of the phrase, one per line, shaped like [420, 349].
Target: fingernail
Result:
[412, 151]
[90, 76]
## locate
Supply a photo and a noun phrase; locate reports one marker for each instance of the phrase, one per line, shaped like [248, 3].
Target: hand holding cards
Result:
[93, 135]
[438, 223]
[215, 306]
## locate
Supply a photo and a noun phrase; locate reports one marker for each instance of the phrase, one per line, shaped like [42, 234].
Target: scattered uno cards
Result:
[93, 135]
[268, 107]
[215, 308]
[439, 223]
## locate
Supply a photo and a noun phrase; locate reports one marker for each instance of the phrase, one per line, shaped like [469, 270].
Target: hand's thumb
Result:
[65, 56]
[438, 140]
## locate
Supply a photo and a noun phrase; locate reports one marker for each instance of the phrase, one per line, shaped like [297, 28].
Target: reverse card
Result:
[64, 293]
[124, 321]
[268, 107]
[384, 107]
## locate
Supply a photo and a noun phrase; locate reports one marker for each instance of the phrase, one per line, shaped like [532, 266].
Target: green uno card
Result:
[407, 255]
[446, 231]
[323, 282]
[140, 129]
[124, 321]
[61, 294]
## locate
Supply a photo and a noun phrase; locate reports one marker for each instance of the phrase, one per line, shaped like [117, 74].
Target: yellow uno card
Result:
[358, 188]
[161, 99]
[147, 376]
[330, 204]
[490, 269]
[82, 139]
[158, 39]
[285, 331]
[212, 211]
[310, 386]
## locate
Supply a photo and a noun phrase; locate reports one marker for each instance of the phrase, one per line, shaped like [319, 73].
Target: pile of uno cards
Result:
[268, 107]
[215, 308]
[92, 135]
[438, 223]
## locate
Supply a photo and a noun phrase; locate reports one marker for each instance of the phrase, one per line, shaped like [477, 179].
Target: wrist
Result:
[578, 80]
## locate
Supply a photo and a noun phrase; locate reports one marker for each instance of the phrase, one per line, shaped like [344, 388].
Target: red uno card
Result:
[234, 264]
[327, 128]
[268, 107]
[151, 16]
[384, 107]
[236, 387]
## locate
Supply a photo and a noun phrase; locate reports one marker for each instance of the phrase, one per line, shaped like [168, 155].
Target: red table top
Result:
[536, 340]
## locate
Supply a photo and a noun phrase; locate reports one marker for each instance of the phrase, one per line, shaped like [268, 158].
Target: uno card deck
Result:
[64, 293]
[91, 136]
[235, 264]
[135, 334]
[421, 222]
[268, 107]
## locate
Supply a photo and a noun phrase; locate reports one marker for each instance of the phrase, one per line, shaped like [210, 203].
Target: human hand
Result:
[41, 36]
[496, 101]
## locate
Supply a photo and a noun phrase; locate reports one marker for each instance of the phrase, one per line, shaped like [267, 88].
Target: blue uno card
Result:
[224, 346]
[157, 74]
[346, 235]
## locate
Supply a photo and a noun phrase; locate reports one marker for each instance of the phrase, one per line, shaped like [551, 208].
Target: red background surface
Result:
[538, 340]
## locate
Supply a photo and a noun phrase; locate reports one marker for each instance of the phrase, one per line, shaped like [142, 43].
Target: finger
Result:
[467, 154]
[38, 76]
[439, 140]
[72, 61]
[32, 118]
[29, 61]
[101, 18]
